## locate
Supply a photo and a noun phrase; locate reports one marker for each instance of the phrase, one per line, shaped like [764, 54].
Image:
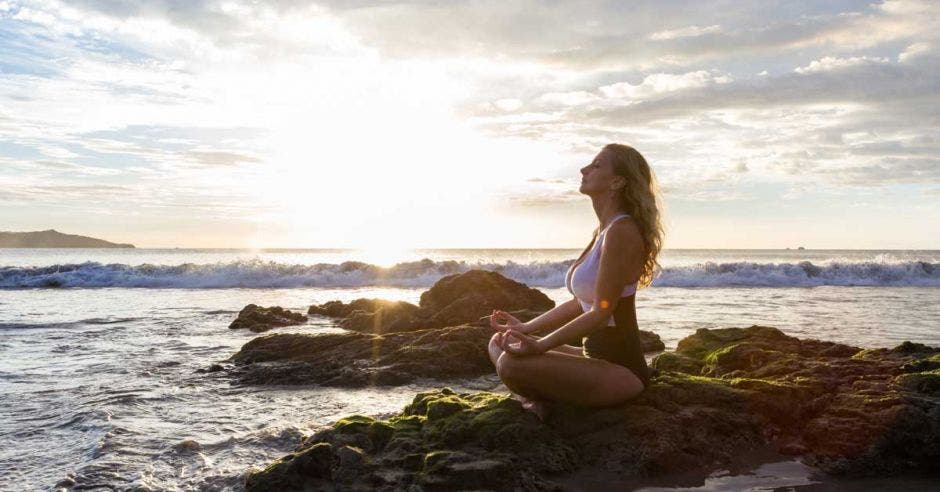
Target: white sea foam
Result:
[423, 273]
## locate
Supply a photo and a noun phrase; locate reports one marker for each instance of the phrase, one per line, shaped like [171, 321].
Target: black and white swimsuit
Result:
[619, 340]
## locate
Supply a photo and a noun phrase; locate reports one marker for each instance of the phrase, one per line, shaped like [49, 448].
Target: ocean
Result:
[99, 347]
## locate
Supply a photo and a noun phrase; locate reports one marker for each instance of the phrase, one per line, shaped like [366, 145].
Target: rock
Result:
[211, 368]
[309, 469]
[453, 300]
[375, 316]
[188, 445]
[466, 297]
[472, 445]
[722, 395]
[358, 359]
[259, 319]
[854, 411]
[651, 342]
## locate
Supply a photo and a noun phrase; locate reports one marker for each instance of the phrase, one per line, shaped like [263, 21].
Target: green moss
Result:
[293, 471]
[923, 364]
[673, 361]
[927, 382]
[353, 424]
[419, 405]
[864, 354]
[713, 356]
[442, 407]
[380, 433]
[435, 457]
[407, 423]
[908, 347]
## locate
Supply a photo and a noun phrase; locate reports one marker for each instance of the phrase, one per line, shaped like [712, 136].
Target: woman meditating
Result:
[610, 368]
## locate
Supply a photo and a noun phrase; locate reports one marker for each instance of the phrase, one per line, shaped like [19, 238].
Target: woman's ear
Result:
[619, 182]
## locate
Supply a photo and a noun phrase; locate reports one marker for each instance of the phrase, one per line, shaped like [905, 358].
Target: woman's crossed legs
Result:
[565, 375]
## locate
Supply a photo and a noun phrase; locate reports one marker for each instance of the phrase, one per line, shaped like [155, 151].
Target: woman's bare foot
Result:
[539, 408]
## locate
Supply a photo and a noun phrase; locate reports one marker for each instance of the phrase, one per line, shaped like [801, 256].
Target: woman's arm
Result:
[554, 317]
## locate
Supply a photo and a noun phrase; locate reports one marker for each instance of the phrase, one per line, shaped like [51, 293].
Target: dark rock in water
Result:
[211, 368]
[724, 393]
[466, 297]
[358, 359]
[651, 342]
[258, 319]
[376, 316]
[456, 299]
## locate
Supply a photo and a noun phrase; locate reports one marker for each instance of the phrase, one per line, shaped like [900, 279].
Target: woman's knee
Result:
[493, 348]
[494, 340]
[508, 366]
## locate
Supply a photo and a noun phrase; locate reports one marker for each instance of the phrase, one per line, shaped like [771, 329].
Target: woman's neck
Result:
[607, 210]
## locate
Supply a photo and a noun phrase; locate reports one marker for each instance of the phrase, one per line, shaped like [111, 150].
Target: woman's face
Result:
[597, 176]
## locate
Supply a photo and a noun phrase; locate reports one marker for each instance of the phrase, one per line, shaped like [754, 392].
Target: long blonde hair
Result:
[643, 202]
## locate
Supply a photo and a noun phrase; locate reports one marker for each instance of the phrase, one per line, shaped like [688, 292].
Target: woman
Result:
[610, 368]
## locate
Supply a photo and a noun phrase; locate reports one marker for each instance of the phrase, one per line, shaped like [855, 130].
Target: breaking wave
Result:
[423, 273]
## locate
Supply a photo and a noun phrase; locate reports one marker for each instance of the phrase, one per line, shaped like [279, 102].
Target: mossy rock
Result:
[845, 410]
[927, 382]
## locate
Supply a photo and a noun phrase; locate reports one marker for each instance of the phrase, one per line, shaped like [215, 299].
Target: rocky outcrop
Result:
[453, 300]
[259, 319]
[466, 297]
[359, 359]
[722, 394]
[377, 316]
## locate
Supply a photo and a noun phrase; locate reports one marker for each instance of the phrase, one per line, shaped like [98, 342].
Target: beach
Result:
[101, 348]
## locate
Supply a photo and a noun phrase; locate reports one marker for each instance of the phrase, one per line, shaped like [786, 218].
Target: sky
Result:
[420, 124]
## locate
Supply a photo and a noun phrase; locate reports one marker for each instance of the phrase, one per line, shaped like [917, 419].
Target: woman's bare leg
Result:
[554, 376]
[529, 403]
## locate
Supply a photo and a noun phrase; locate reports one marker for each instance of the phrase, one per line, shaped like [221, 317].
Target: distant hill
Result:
[53, 239]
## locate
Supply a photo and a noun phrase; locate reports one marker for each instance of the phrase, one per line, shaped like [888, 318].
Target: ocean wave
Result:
[423, 273]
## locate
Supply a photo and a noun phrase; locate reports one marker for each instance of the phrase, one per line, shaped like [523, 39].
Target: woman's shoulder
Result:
[624, 233]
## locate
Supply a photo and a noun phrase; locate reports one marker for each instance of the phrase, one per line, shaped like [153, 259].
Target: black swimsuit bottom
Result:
[620, 345]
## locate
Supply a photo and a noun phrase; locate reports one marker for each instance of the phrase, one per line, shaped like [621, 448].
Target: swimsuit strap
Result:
[612, 222]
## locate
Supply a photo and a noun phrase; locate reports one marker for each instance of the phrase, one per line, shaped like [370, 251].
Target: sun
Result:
[385, 256]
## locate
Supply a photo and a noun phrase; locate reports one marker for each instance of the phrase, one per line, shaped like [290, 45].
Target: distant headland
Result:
[53, 239]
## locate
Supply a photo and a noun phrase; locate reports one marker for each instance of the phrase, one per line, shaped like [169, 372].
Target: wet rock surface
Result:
[259, 319]
[456, 299]
[359, 359]
[722, 394]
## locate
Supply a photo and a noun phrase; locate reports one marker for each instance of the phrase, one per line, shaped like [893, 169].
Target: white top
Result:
[582, 280]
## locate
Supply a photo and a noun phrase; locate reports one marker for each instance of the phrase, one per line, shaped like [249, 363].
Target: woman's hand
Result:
[502, 321]
[526, 345]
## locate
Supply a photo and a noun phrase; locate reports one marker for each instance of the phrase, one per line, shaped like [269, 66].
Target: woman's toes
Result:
[540, 409]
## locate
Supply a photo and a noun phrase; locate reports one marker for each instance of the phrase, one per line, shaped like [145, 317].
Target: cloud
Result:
[220, 158]
[542, 199]
[659, 83]
[684, 32]
[914, 51]
[832, 63]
